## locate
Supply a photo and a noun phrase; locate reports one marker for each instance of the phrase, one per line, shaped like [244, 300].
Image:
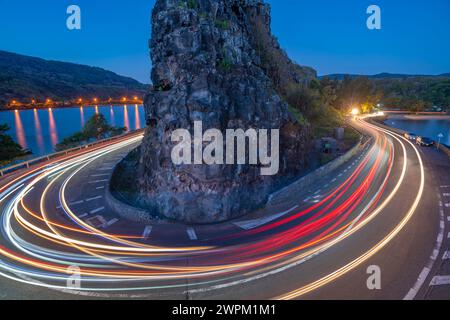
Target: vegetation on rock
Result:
[95, 129]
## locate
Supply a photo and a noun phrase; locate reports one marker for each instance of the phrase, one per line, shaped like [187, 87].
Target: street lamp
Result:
[440, 136]
[355, 111]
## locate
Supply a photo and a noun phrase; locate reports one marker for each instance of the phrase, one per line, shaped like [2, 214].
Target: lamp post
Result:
[440, 136]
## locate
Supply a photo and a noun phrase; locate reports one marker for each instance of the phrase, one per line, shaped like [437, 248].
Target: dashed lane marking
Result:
[100, 175]
[99, 188]
[97, 210]
[83, 216]
[412, 293]
[251, 224]
[72, 204]
[111, 222]
[94, 198]
[98, 181]
[147, 231]
[191, 233]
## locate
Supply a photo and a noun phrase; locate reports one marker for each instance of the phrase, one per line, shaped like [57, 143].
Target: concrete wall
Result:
[304, 182]
[126, 211]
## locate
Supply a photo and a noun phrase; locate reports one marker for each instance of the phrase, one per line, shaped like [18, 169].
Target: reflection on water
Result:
[20, 133]
[40, 130]
[52, 128]
[137, 124]
[125, 117]
[82, 116]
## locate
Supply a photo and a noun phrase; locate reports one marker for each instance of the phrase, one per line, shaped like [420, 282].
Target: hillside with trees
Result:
[24, 78]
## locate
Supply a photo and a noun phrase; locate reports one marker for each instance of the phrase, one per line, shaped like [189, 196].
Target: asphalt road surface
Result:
[387, 209]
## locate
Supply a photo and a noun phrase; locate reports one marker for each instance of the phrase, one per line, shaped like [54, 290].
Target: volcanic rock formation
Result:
[215, 61]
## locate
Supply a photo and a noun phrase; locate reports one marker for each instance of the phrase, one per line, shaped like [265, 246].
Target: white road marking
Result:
[147, 231]
[83, 216]
[446, 255]
[317, 191]
[95, 198]
[251, 224]
[447, 205]
[307, 199]
[427, 269]
[100, 175]
[446, 194]
[98, 181]
[72, 203]
[440, 281]
[334, 180]
[111, 222]
[99, 188]
[106, 169]
[97, 210]
[191, 233]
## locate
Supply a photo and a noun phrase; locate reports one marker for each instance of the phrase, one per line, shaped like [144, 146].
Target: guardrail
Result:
[28, 163]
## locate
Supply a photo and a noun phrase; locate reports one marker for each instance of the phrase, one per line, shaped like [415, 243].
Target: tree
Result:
[9, 150]
[96, 128]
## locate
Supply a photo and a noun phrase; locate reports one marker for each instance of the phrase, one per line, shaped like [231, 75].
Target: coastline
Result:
[72, 106]
[418, 117]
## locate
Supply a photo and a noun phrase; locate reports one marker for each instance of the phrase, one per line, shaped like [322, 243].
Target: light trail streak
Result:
[112, 262]
[380, 245]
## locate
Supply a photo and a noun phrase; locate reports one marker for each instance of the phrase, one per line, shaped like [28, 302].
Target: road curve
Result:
[60, 240]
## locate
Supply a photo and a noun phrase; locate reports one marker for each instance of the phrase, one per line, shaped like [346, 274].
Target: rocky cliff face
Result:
[215, 61]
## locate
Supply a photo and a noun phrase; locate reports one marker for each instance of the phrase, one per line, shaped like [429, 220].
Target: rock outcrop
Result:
[215, 61]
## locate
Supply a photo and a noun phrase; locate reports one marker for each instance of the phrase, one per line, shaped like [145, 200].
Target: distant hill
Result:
[23, 78]
[384, 75]
[401, 90]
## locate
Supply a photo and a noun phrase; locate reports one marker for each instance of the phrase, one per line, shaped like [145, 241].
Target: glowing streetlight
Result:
[124, 99]
[355, 111]
[95, 100]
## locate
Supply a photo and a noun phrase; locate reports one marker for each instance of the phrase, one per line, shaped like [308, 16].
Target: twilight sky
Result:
[328, 35]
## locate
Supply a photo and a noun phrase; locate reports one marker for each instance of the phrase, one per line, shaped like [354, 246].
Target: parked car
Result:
[411, 136]
[425, 142]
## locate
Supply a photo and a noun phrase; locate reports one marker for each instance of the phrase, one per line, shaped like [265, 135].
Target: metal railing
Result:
[28, 163]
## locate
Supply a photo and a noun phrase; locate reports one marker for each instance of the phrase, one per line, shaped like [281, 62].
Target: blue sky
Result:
[330, 36]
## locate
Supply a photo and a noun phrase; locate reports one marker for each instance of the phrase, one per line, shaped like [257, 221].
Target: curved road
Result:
[59, 239]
